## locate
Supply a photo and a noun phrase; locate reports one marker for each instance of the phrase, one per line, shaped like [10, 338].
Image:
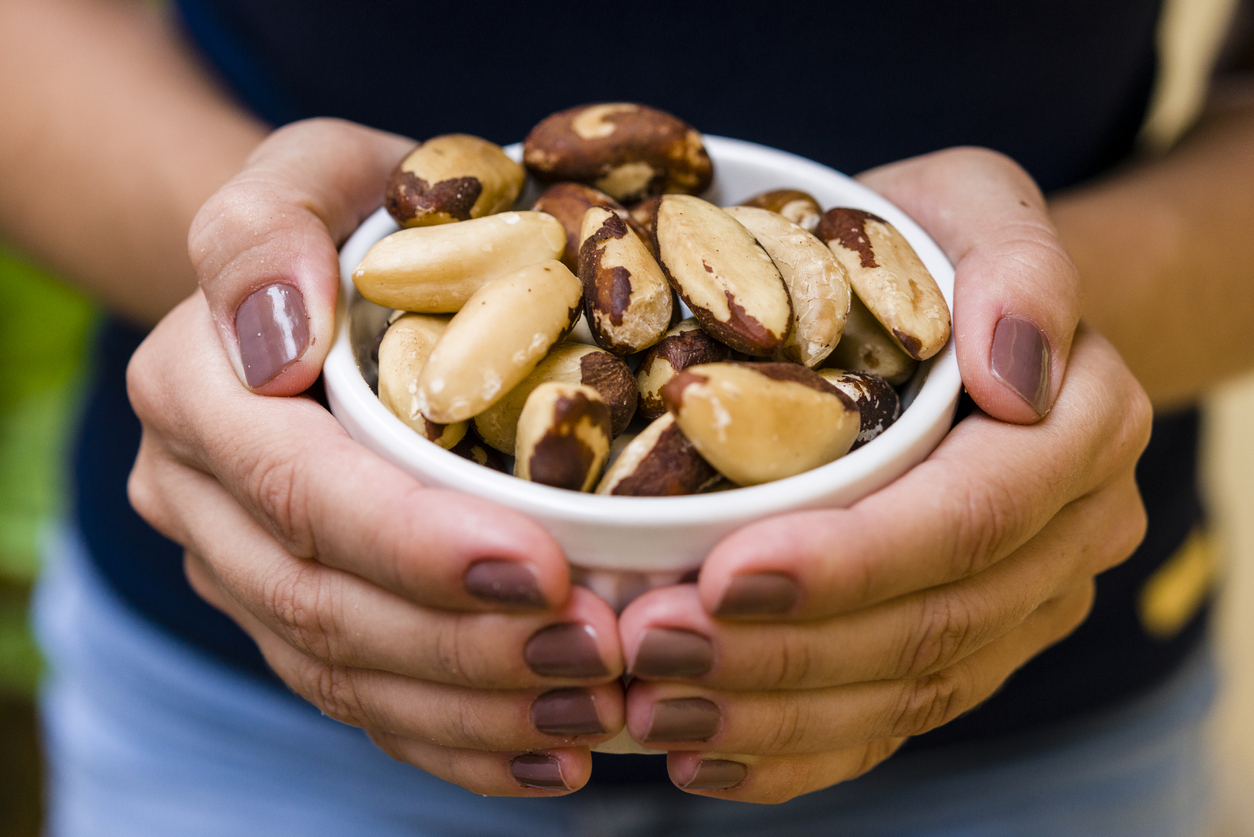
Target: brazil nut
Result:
[568, 203]
[797, 206]
[626, 150]
[452, 178]
[890, 279]
[683, 346]
[436, 269]
[626, 296]
[724, 275]
[658, 462]
[563, 437]
[403, 353]
[758, 422]
[866, 347]
[496, 339]
[568, 363]
[876, 400]
[816, 282]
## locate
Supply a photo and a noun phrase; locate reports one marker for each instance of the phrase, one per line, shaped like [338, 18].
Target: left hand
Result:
[816, 642]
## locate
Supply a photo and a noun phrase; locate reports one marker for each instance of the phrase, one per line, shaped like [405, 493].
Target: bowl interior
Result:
[742, 169]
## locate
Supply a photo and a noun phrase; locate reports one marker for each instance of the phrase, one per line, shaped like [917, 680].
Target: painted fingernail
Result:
[716, 774]
[758, 594]
[1020, 360]
[566, 712]
[568, 650]
[667, 652]
[682, 719]
[273, 331]
[503, 582]
[533, 770]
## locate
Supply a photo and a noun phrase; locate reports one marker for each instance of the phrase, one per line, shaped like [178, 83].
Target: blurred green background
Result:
[44, 330]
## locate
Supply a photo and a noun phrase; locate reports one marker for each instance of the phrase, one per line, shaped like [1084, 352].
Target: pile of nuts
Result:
[803, 320]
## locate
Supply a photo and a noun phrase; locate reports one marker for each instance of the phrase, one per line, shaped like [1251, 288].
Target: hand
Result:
[443, 625]
[815, 643]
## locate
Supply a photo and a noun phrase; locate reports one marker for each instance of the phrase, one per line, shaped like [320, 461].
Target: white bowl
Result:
[657, 534]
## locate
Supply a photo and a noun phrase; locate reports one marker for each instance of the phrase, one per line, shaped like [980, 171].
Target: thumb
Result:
[264, 246]
[1016, 291]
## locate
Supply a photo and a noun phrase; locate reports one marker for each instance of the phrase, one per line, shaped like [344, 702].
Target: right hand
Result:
[445, 626]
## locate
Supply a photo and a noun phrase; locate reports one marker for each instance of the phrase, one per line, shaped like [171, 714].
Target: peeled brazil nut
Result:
[452, 178]
[890, 278]
[797, 206]
[876, 400]
[625, 293]
[628, 151]
[567, 363]
[403, 353]
[758, 422]
[643, 214]
[473, 448]
[436, 269]
[683, 346]
[659, 462]
[563, 437]
[816, 282]
[867, 347]
[497, 338]
[568, 203]
[733, 288]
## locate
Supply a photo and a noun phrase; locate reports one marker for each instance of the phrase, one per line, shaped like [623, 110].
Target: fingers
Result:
[553, 772]
[667, 635]
[1016, 291]
[264, 246]
[321, 495]
[774, 779]
[677, 716]
[984, 492]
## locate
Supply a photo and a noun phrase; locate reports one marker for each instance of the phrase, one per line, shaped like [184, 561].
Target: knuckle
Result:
[333, 689]
[985, 526]
[451, 660]
[787, 729]
[277, 482]
[874, 753]
[300, 606]
[791, 667]
[940, 636]
[926, 703]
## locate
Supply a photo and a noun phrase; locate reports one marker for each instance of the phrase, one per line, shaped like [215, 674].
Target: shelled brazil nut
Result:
[658, 462]
[683, 346]
[625, 294]
[568, 203]
[876, 400]
[797, 206]
[403, 353]
[452, 178]
[563, 436]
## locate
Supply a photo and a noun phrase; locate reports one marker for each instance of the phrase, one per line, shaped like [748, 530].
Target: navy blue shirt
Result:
[1060, 85]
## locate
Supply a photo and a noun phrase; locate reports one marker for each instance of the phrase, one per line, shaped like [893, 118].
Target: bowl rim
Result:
[348, 391]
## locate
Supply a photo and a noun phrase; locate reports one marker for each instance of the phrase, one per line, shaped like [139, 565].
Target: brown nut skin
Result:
[876, 400]
[683, 346]
[867, 347]
[568, 363]
[758, 422]
[453, 177]
[403, 352]
[729, 282]
[817, 284]
[497, 338]
[643, 214]
[568, 203]
[434, 270]
[625, 293]
[473, 448]
[563, 437]
[797, 206]
[629, 151]
[658, 462]
[889, 278]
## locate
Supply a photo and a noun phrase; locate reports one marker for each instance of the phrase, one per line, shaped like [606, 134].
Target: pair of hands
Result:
[812, 645]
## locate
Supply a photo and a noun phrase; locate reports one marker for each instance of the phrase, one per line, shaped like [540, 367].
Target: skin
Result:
[273, 501]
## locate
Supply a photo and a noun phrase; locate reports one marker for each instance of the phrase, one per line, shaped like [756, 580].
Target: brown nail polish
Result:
[682, 719]
[717, 774]
[668, 652]
[568, 650]
[567, 712]
[758, 594]
[273, 331]
[1020, 360]
[503, 582]
[533, 770]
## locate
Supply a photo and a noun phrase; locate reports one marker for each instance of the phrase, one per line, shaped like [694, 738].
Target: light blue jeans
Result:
[149, 738]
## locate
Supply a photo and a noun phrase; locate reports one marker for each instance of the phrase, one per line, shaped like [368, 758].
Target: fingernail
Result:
[683, 719]
[1021, 361]
[667, 652]
[273, 331]
[717, 774]
[536, 771]
[503, 582]
[566, 712]
[568, 650]
[758, 594]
